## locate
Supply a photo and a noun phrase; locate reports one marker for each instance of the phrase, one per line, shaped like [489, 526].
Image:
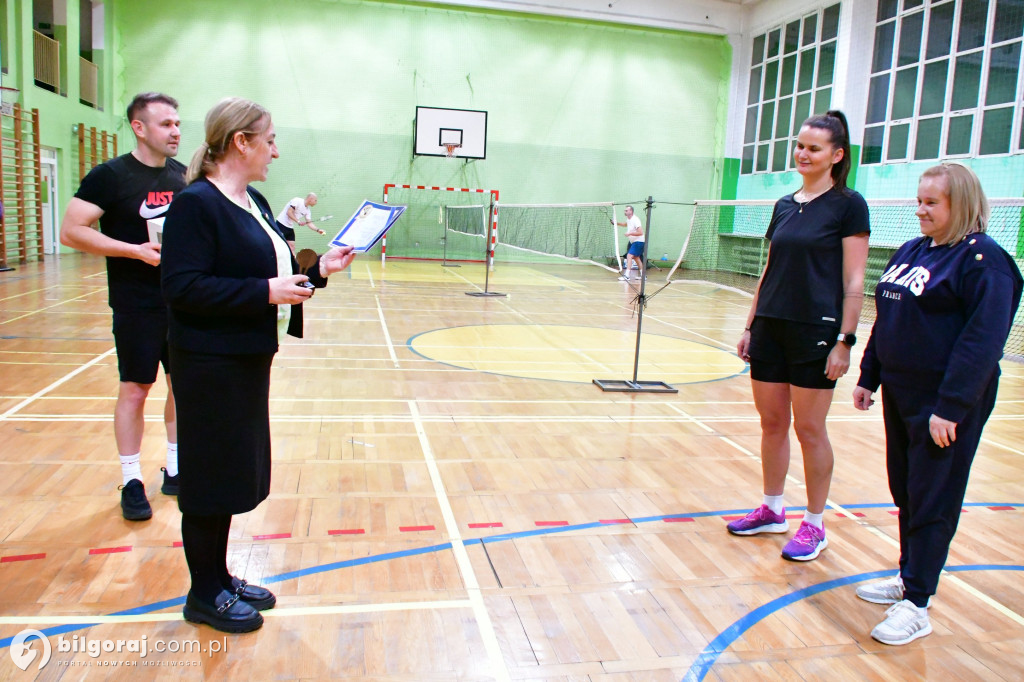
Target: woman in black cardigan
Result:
[232, 286]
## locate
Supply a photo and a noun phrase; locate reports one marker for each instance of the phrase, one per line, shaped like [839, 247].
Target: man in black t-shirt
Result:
[126, 195]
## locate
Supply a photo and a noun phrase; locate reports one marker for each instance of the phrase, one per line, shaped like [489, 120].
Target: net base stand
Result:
[484, 293]
[627, 386]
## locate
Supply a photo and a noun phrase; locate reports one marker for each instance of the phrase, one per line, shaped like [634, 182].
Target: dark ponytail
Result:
[835, 123]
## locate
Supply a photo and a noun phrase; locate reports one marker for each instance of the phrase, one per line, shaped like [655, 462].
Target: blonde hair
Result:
[229, 116]
[968, 207]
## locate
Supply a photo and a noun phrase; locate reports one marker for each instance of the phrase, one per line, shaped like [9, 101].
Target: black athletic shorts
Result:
[141, 342]
[785, 352]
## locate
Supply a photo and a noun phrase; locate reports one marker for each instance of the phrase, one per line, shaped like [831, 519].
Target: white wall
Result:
[718, 17]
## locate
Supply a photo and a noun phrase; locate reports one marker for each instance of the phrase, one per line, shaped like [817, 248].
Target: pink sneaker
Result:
[761, 520]
[806, 544]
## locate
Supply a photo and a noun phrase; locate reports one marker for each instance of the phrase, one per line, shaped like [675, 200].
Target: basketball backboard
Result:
[437, 127]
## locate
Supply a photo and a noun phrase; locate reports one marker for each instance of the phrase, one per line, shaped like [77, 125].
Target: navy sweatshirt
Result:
[944, 313]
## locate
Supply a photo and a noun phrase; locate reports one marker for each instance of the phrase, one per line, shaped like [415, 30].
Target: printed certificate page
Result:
[367, 225]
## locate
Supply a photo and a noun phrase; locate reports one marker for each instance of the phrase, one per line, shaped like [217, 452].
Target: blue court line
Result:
[502, 537]
[725, 639]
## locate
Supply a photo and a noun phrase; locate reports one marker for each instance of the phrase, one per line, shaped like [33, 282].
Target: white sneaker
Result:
[623, 278]
[883, 592]
[903, 623]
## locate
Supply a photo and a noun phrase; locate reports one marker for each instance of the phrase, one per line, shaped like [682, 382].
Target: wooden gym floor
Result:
[453, 499]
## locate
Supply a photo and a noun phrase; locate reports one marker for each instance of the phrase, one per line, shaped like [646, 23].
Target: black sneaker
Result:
[170, 486]
[134, 505]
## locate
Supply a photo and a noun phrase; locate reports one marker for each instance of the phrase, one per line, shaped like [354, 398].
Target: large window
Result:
[791, 71]
[944, 80]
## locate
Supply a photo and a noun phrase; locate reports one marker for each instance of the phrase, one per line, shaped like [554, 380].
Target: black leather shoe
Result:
[170, 486]
[260, 598]
[134, 505]
[227, 614]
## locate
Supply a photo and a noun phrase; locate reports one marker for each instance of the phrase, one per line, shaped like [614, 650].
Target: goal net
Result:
[726, 245]
[457, 224]
[422, 231]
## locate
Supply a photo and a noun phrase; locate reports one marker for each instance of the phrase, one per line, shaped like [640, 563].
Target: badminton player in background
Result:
[635, 235]
[801, 327]
[297, 212]
[945, 303]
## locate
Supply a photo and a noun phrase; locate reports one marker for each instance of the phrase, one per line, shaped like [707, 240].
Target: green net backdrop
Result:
[575, 113]
[726, 245]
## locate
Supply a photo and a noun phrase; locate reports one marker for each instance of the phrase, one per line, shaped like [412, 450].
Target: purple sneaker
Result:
[761, 520]
[806, 544]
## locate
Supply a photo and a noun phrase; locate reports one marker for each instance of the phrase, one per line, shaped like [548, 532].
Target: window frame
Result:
[753, 142]
[1015, 143]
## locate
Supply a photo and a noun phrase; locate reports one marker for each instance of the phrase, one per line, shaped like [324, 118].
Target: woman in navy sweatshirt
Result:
[945, 306]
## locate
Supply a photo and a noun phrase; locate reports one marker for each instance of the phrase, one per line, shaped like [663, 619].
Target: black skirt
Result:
[222, 404]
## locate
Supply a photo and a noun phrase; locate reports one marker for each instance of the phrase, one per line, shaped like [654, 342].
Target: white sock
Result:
[172, 459]
[131, 467]
[816, 520]
[775, 503]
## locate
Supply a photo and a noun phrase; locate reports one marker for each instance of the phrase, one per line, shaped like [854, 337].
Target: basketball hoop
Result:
[451, 147]
[8, 97]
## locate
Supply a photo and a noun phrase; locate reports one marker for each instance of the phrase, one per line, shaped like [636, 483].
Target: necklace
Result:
[808, 198]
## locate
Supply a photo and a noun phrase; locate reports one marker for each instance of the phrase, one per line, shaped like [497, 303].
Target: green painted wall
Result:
[1001, 176]
[578, 111]
[57, 113]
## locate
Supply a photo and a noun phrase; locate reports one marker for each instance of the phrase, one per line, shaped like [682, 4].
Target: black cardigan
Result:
[215, 263]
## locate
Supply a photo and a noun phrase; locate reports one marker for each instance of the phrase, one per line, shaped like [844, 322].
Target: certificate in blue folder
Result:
[367, 225]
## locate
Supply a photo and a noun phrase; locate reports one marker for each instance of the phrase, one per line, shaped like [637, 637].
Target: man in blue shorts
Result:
[124, 195]
[635, 235]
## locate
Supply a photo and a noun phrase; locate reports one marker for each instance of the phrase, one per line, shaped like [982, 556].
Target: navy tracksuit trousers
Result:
[927, 482]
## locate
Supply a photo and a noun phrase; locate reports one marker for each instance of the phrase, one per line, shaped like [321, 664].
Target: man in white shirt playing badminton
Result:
[297, 212]
[635, 234]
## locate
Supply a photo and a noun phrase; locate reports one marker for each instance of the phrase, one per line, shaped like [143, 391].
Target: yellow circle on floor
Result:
[570, 353]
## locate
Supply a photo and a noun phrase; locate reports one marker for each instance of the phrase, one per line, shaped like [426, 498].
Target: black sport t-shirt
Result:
[804, 278]
[130, 193]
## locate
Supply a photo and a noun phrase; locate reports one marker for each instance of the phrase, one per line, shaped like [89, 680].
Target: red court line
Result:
[682, 519]
[110, 550]
[551, 523]
[22, 557]
[1001, 508]
[413, 529]
[489, 524]
[347, 531]
[272, 536]
[611, 521]
[177, 543]
[859, 515]
[894, 512]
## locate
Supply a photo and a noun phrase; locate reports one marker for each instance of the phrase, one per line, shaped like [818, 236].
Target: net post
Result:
[489, 253]
[634, 385]
[384, 239]
[444, 237]
[615, 236]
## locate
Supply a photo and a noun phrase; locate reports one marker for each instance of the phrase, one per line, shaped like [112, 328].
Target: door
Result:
[51, 221]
